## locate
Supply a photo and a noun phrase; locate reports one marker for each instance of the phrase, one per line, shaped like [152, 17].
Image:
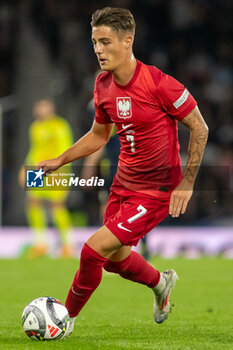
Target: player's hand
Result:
[49, 165]
[180, 197]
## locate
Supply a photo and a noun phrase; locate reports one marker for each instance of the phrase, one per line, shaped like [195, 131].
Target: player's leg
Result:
[93, 256]
[62, 221]
[136, 217]
[36, 218]
[132, 266]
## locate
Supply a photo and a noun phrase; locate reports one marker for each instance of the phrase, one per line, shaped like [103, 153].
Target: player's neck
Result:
[124, 73]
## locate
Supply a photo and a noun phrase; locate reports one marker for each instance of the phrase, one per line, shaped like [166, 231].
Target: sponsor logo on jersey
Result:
[35, 178]
[122, 227]
[124, 107]
[181, 99]
[126, 126]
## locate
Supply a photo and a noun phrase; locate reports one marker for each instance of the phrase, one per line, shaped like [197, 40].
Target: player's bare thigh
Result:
[105, 243]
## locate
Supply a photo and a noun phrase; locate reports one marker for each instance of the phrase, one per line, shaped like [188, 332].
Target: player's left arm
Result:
[197, 142]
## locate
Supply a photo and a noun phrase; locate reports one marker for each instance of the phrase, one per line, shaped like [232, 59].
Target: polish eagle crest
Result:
[124, 108]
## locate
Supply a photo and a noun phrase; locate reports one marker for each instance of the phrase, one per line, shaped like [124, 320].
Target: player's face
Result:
[110, 48]
[43, 110]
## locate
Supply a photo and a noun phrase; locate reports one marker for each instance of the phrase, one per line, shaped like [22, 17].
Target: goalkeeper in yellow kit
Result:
[49, 136]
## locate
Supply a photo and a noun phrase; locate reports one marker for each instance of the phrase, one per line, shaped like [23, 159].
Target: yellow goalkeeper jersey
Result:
[48, 139]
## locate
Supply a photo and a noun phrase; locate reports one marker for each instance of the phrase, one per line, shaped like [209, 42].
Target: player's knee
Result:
[85, 256]
[104, 242]
[89, 256]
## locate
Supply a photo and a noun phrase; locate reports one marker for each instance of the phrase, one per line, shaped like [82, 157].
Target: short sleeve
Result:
[100, 116]
[174, 98]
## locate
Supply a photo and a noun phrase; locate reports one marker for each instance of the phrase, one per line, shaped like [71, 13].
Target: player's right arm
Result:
[96, 138]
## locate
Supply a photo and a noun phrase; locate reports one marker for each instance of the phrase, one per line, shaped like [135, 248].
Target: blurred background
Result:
[46, 53]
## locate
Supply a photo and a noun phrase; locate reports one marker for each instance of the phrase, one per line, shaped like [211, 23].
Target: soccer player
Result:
[145, 105]
[49, 135]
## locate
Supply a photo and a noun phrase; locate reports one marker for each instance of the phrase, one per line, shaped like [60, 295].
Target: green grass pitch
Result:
[119, 314]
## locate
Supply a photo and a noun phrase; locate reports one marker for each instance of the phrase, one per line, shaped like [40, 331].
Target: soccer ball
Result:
[45, 318]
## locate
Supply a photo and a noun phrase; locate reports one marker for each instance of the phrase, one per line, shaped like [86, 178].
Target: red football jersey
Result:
[145, 112]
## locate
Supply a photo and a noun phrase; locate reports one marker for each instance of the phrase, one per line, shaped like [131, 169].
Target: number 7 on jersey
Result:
[142, 211]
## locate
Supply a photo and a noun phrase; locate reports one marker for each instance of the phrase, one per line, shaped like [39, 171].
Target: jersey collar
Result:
[134, 77]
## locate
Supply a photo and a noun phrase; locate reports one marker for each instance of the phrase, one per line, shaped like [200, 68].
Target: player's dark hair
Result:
[119, 19]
